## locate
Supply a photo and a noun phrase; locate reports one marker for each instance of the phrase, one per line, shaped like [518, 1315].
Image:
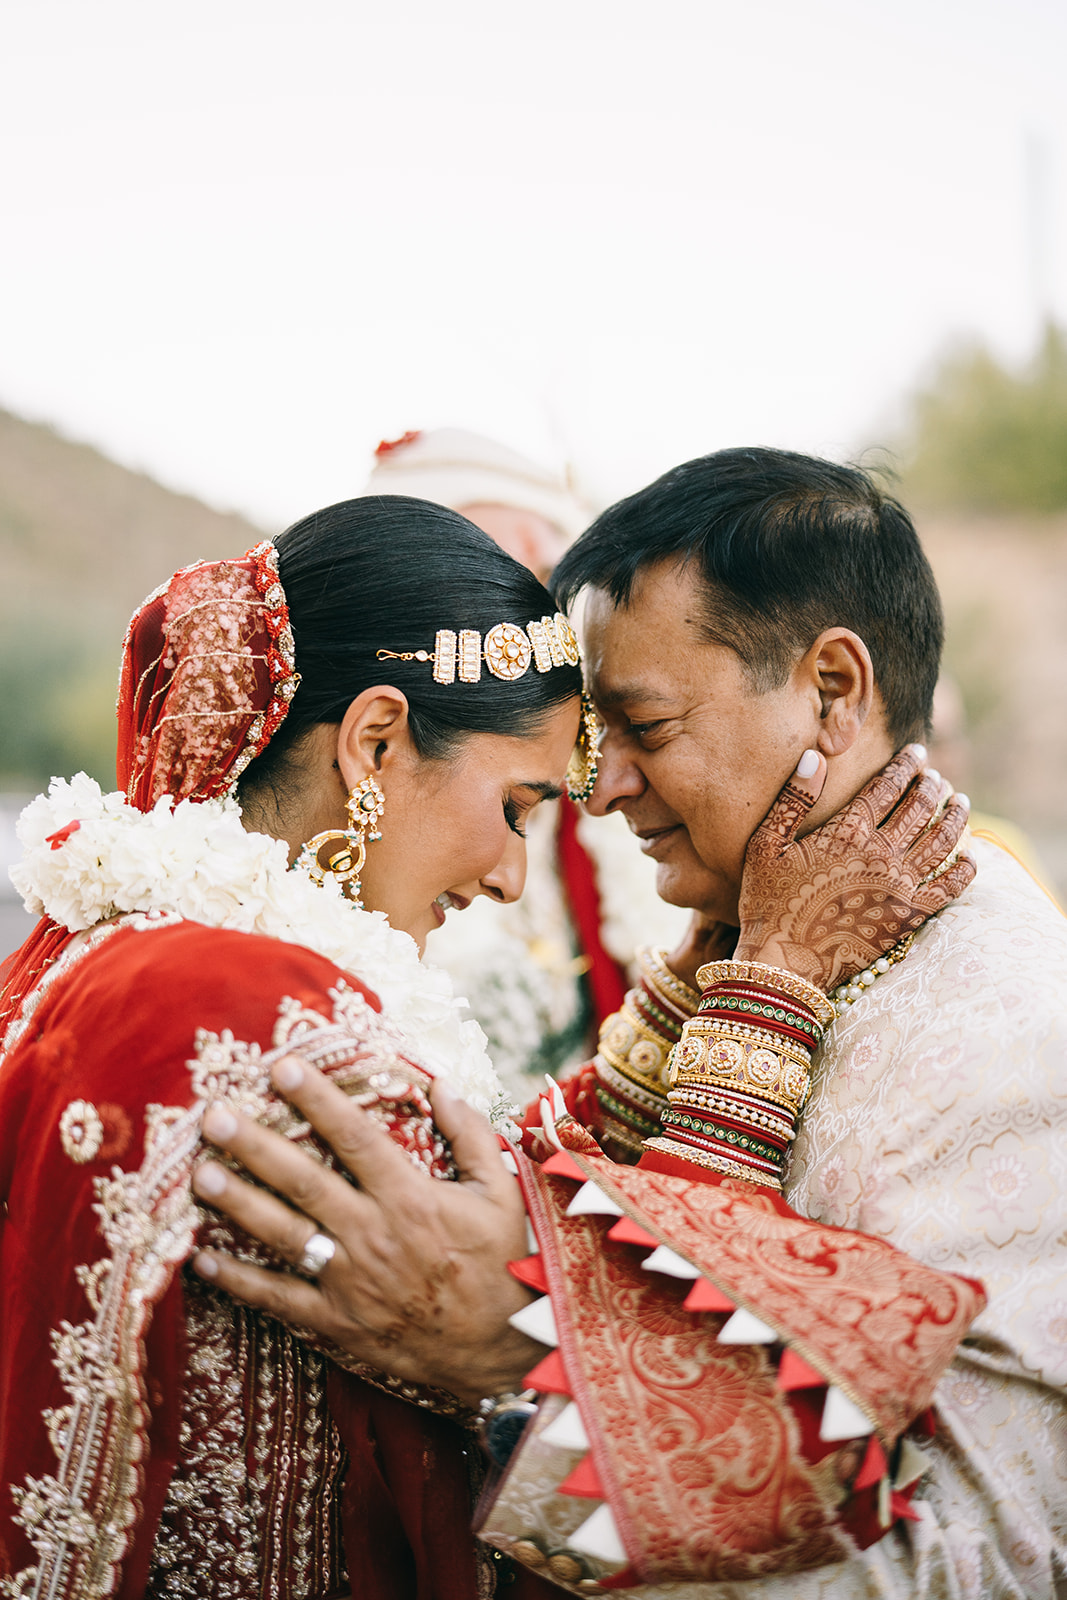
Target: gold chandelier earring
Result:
[342, 854]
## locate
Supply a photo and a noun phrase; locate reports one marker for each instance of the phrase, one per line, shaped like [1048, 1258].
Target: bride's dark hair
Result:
[385, 572]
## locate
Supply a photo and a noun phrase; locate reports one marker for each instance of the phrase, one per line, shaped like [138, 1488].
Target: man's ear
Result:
[373, 734]
[839, 672]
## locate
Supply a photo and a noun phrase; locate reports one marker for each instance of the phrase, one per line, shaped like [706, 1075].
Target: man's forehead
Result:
[639, 650]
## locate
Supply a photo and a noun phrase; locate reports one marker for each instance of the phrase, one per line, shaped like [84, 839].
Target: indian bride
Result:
[325, 747]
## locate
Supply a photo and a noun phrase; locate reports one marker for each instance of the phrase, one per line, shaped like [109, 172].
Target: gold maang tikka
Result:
[343, 854]
[508, 652]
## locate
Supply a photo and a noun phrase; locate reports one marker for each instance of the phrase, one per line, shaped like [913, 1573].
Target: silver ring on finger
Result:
[318, 1253]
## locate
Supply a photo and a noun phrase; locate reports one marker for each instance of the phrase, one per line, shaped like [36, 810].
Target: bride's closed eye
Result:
[514, 814]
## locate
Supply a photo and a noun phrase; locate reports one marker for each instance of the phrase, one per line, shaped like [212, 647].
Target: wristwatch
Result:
[502, 1422]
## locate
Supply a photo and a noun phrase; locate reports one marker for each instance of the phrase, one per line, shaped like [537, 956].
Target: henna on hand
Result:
[825, 906]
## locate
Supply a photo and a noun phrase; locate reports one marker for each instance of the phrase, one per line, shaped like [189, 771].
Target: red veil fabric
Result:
[207, 679]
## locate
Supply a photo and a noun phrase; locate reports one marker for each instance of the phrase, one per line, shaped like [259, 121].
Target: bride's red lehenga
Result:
[171, 1442]
[157, 1438]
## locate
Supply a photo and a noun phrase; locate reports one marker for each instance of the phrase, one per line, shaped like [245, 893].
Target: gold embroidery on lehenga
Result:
[238, 1521]
[78, 1519]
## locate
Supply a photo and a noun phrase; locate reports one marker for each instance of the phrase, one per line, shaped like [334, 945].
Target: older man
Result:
[739, 1362]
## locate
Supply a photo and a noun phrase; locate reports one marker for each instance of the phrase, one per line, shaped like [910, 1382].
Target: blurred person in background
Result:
[543, 973]
[951, 752]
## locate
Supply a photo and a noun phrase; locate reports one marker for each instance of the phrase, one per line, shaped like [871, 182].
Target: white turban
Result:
[455, 468]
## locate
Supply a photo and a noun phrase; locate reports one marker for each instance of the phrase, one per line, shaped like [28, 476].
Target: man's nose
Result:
[618, 777]
[505, 883]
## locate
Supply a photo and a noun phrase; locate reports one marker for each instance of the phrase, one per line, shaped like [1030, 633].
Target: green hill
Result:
[82, 541]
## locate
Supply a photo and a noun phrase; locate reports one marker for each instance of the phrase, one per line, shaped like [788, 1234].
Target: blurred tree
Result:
[985, 438]
[57, 713]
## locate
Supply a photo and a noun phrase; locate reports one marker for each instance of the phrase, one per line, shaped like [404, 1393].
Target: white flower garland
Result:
[194, 859]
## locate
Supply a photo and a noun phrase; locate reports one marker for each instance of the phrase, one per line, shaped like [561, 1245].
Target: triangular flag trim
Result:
[549, 1376]
[672, 1265]
[901, 1506]
[563, 1165]
[537, 1320]
[567, 1431]
[591, 1201]
[874, 1468]
[628, 1232]
[744, 1328]
[795, 1373]
[704, 1296]
[598, 1537]
[531, 1272]
[842, 1418]
[583, 1481]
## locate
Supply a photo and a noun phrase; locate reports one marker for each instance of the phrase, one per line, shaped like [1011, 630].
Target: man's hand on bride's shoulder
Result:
[828, 904]
[417, 1284]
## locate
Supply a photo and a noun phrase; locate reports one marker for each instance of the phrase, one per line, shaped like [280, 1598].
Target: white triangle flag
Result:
[664, 1260]
[598, 1537]
[841, 1419]
[537, 1321]
[593, 1202]
[744, 1328]
[567, 1431]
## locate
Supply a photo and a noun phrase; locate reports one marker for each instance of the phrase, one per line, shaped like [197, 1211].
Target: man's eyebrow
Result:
[629, 691]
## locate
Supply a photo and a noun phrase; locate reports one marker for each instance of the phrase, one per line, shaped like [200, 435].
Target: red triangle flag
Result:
[531, 1272]
[704, 1296]
[627, 1232]
[563, 1165]
[901, 1506]
[548, 1377]
[794, 1372]
[583, 1481]
[874, 1468]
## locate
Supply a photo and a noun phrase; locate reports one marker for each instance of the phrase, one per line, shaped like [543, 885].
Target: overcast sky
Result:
[245, 240]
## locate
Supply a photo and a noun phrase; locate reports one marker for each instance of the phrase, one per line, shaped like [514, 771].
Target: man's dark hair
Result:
[787, 545]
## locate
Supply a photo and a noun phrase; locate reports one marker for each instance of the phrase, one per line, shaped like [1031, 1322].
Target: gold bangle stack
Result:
[633, 1057]
[740, 1072]
[664, 984]
[777, 978]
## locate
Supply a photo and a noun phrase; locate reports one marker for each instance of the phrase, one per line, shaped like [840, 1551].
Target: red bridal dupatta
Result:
[156, 1438]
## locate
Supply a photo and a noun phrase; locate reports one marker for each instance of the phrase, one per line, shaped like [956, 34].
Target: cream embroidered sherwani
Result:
[938, 1121]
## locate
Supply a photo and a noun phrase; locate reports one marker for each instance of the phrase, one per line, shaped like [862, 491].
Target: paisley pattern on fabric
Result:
[879, 1324]
[689, 1432]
